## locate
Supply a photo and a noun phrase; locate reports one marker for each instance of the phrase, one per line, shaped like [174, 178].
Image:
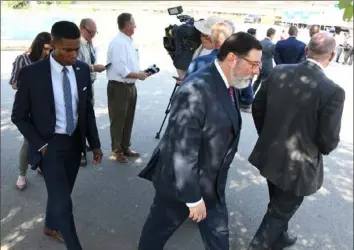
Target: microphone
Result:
[152, 69]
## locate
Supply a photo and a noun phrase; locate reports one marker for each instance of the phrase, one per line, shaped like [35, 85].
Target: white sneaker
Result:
[21, 182]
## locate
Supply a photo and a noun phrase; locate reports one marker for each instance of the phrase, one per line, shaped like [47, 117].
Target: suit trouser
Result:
[121, 110]
[281, 208]
[60, 165]
[167, 216]
[23, 158]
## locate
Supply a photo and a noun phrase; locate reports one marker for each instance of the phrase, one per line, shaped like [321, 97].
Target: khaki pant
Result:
[121, 110]
[23, 158]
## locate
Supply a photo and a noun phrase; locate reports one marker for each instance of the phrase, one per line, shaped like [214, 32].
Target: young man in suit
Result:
[291, 50]
[297, 113]
[190, 164]
[267, 57]
[53, 110]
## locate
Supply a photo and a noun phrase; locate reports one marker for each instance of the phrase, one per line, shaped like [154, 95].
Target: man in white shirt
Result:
[122, 73]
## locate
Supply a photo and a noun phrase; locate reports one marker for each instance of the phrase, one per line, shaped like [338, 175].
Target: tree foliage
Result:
[347, 5]
[17, 4]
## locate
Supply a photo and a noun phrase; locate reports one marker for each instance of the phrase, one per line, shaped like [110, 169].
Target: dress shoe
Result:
[83, 162]
[21, 182]
[285, 240]
[55, 234]
[120, 157]
[131, 153]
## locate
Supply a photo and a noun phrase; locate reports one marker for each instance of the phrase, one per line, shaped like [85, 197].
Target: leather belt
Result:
[124, 83]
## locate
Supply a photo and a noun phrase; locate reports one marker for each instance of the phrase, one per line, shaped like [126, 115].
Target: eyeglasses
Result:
[254, 64]
[91, 32]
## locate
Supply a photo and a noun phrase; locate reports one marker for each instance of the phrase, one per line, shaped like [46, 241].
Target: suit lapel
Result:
[79, 80]
[224, 98]
[48, 86]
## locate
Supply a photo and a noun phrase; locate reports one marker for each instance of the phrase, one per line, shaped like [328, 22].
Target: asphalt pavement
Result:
[111, 203]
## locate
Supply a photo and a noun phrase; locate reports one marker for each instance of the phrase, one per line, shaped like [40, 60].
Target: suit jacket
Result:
[201, 61]
[267, 55]
[34, 110]
[289, 51]
[297, 113]
[193, 157]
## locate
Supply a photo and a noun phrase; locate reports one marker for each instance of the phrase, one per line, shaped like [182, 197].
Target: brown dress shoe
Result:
[55, 234]
[120, 157]
[131, 153]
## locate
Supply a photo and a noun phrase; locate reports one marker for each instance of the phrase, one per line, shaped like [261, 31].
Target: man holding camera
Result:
[122, 73]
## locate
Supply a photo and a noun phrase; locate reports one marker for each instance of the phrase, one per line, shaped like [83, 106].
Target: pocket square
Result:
[84, 89]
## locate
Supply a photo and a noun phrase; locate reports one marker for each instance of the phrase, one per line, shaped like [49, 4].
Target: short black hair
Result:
[252, 31]
[240, 43]
[65, 30]
[270, 32]
[292, 31]
[123, 19]
[38, 45]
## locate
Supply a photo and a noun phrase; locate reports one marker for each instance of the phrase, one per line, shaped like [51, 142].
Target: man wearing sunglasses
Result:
[87, 54]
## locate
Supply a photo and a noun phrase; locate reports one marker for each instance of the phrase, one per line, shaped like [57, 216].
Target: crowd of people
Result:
[296, 110]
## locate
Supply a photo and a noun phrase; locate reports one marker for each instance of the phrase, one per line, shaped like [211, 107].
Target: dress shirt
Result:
[317, 63]
[217, 65]
[124, 59]
[86, 49]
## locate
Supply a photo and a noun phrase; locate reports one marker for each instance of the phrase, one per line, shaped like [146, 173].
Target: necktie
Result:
[68, 103]
[231, 92]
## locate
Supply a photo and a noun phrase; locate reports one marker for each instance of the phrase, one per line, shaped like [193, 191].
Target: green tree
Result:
[347, 5]
[17, 4]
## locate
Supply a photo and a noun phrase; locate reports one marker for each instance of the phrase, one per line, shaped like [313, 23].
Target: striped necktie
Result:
[231, 92]
[68, 103]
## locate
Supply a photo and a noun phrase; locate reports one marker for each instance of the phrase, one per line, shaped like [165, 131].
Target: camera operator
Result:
[122, 73]
[219, 33]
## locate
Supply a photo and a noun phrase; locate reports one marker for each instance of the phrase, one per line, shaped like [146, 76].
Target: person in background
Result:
[267, 57]
[282, 36]
[291, 50]
[314, 29]
[252, 31]
[340, 40]
[87, 54]
[121, 90]
[348, 49]
[39, 50]
[297, 114]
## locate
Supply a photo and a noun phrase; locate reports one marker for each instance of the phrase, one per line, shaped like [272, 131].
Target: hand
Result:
[198, 213]
[142, 76]
[43, 150]
[97, 155]
[99, 68]
[14, 86]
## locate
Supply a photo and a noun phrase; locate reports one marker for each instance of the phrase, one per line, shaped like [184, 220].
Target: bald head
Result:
[219, 33]
[314, 30]
[321, 47]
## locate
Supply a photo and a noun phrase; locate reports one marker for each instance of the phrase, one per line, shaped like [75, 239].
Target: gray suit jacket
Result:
[297, 113]
[267, 55]
[193, 157]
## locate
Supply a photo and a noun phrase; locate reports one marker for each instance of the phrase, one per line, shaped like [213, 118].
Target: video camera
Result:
[181, 41]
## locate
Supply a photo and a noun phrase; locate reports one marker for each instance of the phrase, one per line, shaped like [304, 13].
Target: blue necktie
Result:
[68, 103]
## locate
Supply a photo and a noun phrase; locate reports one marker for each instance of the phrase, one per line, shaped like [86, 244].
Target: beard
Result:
[240, 82]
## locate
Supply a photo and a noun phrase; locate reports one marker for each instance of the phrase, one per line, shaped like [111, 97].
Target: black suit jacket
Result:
[297, 113]
[193, 157]
[34, 109]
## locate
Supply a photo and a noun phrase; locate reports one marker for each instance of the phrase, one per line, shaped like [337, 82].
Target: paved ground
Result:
[111, 203]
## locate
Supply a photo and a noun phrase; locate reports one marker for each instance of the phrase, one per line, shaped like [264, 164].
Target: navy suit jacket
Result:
[201, 61]
[34, 109]
[194, 155]
[289, 51]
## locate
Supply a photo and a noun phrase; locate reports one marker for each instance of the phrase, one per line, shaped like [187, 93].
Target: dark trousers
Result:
[281, 208]
[60, 165]
[167, 216]
[246, 95]
[121, 110]
[260, 78]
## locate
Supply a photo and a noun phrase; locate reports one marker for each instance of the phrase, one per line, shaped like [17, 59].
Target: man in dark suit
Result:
[53, 110]
[290, 50]
[297, 113]
[267, 57]
[219, 33]
[190, 164]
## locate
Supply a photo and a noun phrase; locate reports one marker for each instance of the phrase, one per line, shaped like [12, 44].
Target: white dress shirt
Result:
[124, 57]
[317, 63]
[217, 65]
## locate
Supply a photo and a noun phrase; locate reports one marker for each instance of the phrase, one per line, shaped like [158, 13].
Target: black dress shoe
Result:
[285, 240]
[83, 162]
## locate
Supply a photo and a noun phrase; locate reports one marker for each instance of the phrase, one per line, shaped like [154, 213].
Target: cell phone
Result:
[107, 66]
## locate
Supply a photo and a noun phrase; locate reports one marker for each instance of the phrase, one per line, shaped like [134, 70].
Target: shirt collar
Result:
[125, 36]
[217, 65]
[57, 66]
[317, 63]
[83, 40]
